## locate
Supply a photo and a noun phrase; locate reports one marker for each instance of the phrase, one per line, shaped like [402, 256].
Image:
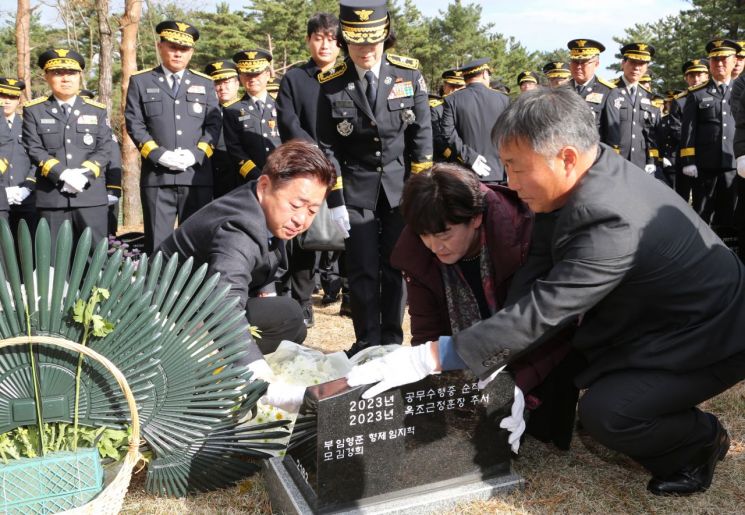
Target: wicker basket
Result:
[111, 498]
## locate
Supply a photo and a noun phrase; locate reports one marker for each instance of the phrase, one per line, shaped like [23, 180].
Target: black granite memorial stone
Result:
[440, 429]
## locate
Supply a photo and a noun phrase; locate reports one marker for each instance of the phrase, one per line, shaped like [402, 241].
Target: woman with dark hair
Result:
[376, 129]
[459, 253]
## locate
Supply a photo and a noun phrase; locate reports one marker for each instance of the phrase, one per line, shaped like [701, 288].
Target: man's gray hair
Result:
[548, 119]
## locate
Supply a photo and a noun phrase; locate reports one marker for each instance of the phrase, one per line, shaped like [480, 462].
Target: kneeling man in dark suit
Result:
[658, 299]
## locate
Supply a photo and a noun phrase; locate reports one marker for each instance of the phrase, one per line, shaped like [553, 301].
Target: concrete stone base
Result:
[287, 499]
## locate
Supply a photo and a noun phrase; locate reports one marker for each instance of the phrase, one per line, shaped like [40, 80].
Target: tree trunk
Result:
[23, 50]
[131, 207]
[105, 56]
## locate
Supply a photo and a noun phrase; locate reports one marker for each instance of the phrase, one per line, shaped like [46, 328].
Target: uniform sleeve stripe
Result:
[46, 166]
[687, 152]
[337, 185]
[420, 167]
[205, 147]
[93, 167]
[246, 168]
[148, 147]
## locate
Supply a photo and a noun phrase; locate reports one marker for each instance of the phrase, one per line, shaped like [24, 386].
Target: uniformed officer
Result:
[739, 61]
[68, 137]
[173, 117]
[695, 72]
[113, 175]
[225, 76]
[377, 129]
[17, 173]
[646, 81]
[527, 80]
[468, 118]
[599, 94]
[250, 125]
[452, 80]
[557, 73]
[272, 86]
[667, 139]
[638, 121]
[707, 135]
[297, 107]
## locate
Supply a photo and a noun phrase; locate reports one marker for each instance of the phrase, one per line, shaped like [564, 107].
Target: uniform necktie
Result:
[260, 108]
[174, 85]
[66, 108]
[10, 124]
[580, 88]
[632, 94]
[723, 88]
[372, 89]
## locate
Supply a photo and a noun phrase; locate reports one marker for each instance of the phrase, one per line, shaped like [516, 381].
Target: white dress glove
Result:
[170, 159]
[74, 180]
[186, 158]
[650, 168]
[113, 199]
[23, 193]
[402, 366]
[12, 193]
[741, 166]
[483, 383]
[690, 171]
[481, 167]
[340, 216]
[285, 396]
[515, 423]
[666, 163]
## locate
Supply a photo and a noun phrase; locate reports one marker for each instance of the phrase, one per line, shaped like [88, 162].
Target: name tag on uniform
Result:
[707, 99]
[196, 89]
[48, 121]
[595, 98]
[244, 117]
[88, 119]
[402, 89]
[645, 100]
[153, 90]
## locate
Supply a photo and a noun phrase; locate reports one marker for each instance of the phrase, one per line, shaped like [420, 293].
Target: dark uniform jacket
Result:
[708, 130]
[114, 170]
[15, 166]
[650, 284]
[230, 235]
[298, 103]
[738, 110]
[439, 141]
[601, 96]
[157, 121]
[250, 135]
[225, 178]
[370, 150]
[56, 144]
[467, 121]
[638, 126]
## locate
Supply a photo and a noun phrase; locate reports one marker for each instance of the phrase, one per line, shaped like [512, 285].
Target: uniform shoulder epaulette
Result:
[435, 102]
[681, 94]
[94, 103]
[196, 72]
[403, 61]
[696, 88]
[616, 81]
[332, 73]
[645, 88]
[606, 83]
[231, 102]
[658, 103]
[35, 101]
[143, 71]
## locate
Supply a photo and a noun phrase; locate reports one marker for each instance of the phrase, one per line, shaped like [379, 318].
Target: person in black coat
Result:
[467, 120]
[657, 298]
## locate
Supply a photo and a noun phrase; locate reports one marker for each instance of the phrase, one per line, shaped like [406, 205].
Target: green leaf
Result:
[78, 311]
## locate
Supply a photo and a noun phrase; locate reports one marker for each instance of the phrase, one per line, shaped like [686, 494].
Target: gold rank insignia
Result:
[182, 26]
[364, 14]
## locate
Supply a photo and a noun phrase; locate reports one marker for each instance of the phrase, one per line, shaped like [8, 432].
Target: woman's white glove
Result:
[515, 423]
[481, 167]
[340, 216]
[285, 396]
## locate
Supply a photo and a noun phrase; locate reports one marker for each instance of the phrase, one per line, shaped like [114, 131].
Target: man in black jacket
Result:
[468, 118]
[658, 299]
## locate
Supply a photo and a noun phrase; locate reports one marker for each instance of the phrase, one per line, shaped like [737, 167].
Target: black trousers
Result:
[301, 272]
[714, 197]
[375, 288]
[162, 205]
[740, 217]
[332, 269]
[30, 215]
[94, 217]
[277, 318]
[651, 415]
[112, 217]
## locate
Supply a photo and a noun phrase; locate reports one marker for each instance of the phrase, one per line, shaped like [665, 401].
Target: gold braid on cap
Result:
[178, 37]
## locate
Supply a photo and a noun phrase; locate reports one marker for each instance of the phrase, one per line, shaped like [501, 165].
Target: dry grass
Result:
[587, 479]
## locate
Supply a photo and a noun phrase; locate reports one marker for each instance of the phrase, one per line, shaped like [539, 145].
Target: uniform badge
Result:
[197, 107]
[160, 79]
[47, 121]
[54, 110]
[250, 108]
[344, 128]
[88, 139]
[408, 117]
[422, 83]
[88, 119]
[196, 89]
[271, 124]
[350, 86]
[401, 89]
[618, 102]
[645, 100]
[274, 113]
[595, 98]
[388, 80]
[244, 117]
[76, 112]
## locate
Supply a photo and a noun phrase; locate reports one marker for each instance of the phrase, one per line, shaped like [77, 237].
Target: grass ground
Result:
[586, 479]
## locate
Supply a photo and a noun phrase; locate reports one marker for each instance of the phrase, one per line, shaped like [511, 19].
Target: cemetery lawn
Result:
[586, 479]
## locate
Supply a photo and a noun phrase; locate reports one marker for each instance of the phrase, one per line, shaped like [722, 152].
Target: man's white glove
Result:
[12, 193]
[650, 168]
[666, 163]
[113, 199]
[285, 396]
[170, 159]
[690, 171]
[261, 370]
[483, 383]
[186, 158]
[402, 366]
[340, 216]
[74, 180]
[481, 167]
[515, 423]
[741, 166]
[23, 193]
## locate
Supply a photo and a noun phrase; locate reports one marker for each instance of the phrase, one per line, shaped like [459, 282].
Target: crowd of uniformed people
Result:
[371, 115]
